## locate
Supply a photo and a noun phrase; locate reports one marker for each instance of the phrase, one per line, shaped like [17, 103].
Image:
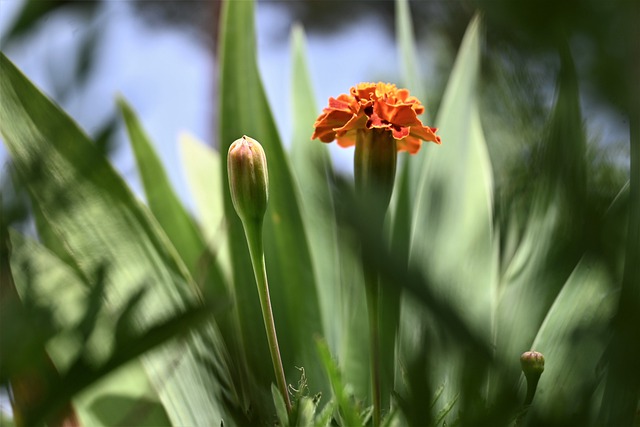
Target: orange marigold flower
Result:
[375, 106]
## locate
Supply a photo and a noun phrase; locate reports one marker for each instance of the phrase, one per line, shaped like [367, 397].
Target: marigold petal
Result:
[400, 132]
[364, 91]
[329, 121]
[425, 133]
[347, 140]
[357, 121]
[410, 144]
[401, 115]
[418, 108]
[403, 95]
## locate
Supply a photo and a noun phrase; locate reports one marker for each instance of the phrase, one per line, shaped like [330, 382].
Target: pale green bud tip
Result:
[248, 178]
[532, 363]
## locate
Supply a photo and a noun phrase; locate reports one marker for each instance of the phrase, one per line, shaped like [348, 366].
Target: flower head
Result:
[375, 106]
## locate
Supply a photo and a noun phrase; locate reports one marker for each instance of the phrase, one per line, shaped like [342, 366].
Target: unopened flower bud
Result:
[248, 178]
[532, 363]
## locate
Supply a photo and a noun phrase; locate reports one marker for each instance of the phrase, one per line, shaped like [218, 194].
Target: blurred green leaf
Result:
[51, 283]
[311, 164]
[453, 214]
[553, 240]
[5, 421]
[622, 383]
[401, 209]
[323, 419]
[281, 408]
[346, 408]
[572, 339]
[32, 12]
[339, 281]
[169, 210]
[452, 234]
[244, 111]
[90, 216]
[407, 46]
[203, 169]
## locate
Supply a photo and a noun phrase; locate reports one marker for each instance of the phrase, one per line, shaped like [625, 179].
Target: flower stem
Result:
[372, 290]
[253, 232]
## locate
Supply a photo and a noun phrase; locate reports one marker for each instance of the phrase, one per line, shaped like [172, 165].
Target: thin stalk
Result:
[532, 385]
[372, 290]
[253, 232]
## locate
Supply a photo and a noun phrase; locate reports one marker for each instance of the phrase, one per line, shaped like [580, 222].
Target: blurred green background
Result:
[540, 187]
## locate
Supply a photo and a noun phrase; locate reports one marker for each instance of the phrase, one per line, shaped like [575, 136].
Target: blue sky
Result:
[168, 76]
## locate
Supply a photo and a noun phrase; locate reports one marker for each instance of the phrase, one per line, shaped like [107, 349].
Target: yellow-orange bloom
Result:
[375, 106]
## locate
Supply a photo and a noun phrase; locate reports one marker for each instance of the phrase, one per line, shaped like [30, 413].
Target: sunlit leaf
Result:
[91, 217]
[169, 210]
[49, 282]
[203, 170]
[312, 167]
[452, 225]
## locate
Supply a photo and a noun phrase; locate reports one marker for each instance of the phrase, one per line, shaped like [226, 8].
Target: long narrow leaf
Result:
[312, 166]
[550, 248]
[167, 208]
[452, 231]
[452, 225]
[89, 215]
[203, 170]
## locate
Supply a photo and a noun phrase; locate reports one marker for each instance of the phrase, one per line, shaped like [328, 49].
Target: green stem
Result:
[372, 290]
[532, 385]
[253, 232]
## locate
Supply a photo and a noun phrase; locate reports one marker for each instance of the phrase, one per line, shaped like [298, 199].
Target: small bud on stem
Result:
[532, 364]
[249, 186]
[248, 178]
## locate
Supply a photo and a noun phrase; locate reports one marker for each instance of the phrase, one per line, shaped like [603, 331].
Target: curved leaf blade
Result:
[90, 216]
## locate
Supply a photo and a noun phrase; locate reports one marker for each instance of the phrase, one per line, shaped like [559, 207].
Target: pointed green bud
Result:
[532, 363]
[248, 178]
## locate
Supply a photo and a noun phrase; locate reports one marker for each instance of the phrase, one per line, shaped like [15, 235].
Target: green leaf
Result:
[407, 47]
[244, 111]
[281, 407]
[89, 215]
[323, 419]
[6, 421]
[168, 209]
[49, 282]
[312, 167]
[572, 339]
[552, 243]
[622, 387]
[453, 214]
[203, 169]
[338, 273]
[346, 407]
[452, 234]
